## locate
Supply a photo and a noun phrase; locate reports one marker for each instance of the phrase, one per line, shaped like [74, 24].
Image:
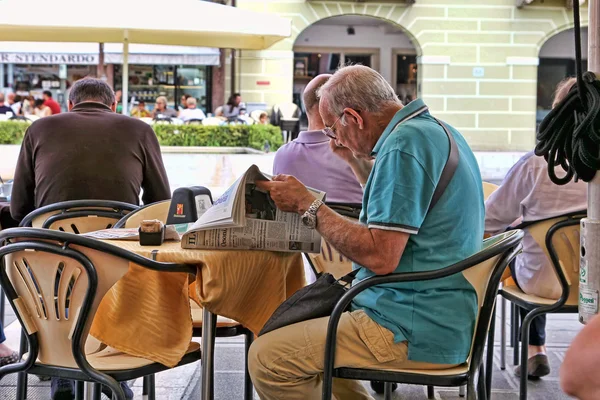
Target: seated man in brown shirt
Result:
[88, 153]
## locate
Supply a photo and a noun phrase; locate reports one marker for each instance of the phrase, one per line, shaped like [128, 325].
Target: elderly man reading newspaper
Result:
[427, 324]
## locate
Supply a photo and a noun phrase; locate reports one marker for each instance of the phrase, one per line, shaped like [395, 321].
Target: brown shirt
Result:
[88, 153]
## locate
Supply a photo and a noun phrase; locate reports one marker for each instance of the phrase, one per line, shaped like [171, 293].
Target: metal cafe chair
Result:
[78, 216]
[55, 282]
[559, 238]
[483, 270]
[74, 216]
[225, 327]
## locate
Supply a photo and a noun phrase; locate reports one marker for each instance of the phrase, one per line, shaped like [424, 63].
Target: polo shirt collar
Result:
[406, 112]
[312, 137]
[91, 105]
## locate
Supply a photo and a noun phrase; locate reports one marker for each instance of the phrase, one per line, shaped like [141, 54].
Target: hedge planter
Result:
[257, 137]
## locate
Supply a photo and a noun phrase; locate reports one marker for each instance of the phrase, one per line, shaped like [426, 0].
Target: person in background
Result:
[89, 152]
[40, 108]
[183, 102]
[580, 370]
[309, 157]
[4, 108]
[191, 112]
[233, 106]
[28, 105]
[140, 111]
[528, 194]
[118, 96]
[263, 119]
[161, 108]
[51, 103]
[14, 102]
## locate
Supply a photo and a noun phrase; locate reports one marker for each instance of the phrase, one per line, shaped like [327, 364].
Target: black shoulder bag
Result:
[319, 298]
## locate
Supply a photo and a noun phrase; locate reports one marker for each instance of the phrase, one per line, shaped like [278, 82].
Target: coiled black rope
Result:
[569, 136]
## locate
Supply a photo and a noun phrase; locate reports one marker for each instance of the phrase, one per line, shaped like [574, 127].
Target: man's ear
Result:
[354, 117]
[70, 105]
[113, 107]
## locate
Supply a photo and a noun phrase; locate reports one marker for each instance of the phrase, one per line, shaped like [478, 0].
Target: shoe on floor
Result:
[62, 389]
[11, 359]
[379, 386]
[126, 389]
[537, 367]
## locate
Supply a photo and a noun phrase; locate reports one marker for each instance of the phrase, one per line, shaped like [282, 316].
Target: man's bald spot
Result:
[310, 92]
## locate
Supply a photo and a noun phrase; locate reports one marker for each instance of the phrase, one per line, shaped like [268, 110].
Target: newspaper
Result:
[245, 217]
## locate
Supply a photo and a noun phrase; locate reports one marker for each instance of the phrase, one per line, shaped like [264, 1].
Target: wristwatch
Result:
[309, 218]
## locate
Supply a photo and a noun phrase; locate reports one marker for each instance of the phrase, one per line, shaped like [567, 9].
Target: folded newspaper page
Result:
[245, 217]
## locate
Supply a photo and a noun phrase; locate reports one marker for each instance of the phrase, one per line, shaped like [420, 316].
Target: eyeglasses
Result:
[328, 130]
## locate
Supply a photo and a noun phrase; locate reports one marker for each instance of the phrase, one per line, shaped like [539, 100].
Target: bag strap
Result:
[445, 178]
[449, 168]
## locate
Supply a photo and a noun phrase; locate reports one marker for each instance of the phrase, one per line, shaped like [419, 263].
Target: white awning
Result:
[87, 54]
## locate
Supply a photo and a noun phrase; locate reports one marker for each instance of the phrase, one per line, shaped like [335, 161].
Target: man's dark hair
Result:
[91, 89]
[38, 102]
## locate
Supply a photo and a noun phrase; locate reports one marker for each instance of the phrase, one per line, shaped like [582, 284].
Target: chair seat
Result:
[514, 294]
[222, 322]
[440, 377]
[110, 359]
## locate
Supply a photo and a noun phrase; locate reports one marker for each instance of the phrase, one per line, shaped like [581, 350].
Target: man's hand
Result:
[288, 193]
[343, 152]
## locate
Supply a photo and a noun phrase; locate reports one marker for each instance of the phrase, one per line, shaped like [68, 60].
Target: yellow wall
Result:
[494, 112]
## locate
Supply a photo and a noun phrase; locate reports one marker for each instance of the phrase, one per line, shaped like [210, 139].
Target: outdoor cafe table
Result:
[147, 313]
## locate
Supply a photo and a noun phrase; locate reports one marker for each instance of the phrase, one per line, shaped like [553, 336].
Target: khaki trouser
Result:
[287, 364]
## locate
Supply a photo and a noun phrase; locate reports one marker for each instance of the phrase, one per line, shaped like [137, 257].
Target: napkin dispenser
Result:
[188, 204]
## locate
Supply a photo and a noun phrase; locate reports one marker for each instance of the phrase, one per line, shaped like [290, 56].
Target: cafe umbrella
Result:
[198, 23]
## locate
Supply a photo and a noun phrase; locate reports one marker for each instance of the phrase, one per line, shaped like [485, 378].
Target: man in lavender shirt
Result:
[309, 157]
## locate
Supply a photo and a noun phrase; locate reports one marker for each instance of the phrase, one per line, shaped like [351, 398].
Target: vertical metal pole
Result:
[10, 75]
[1, 75]
[589, 283]
[125, 90]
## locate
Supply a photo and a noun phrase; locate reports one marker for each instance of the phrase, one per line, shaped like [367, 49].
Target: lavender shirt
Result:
[311, 161]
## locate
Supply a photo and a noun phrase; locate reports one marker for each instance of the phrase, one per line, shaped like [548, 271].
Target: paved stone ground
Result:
[183, 383]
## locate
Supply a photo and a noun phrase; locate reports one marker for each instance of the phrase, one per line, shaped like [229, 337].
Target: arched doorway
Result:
[356, 39]
[557, 62]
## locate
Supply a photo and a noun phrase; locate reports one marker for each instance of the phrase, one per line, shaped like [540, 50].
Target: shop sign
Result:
[263, 83]
[48, 58]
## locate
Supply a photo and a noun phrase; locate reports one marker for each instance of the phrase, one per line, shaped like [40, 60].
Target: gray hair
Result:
[358, 87]
[91, 89]
[191, 101]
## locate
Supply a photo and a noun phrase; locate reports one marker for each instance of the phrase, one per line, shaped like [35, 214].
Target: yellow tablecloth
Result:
[147, 313]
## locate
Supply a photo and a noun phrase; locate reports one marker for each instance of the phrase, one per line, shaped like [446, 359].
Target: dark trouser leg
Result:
[537, 333]
[2, 337]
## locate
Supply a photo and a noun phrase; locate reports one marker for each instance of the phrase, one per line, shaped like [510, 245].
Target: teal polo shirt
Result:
[437, 318]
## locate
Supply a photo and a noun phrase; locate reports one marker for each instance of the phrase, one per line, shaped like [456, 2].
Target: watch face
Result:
[309, 220]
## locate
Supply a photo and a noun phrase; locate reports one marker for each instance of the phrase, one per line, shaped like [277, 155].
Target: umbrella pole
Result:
[589, 284]
[125, 80]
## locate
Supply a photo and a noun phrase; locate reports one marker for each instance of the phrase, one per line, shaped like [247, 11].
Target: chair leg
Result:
[97, 391]
[79, 390]
[145, 386]
[461, 391]
[503, 334]
[516, 321]
[512, 325]
[481, 389]
[248, 387]
[489, 359]
[430, 392]
[387, 391]
[22, 376]
[152, 387]
[524, 357]
[471, 395]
